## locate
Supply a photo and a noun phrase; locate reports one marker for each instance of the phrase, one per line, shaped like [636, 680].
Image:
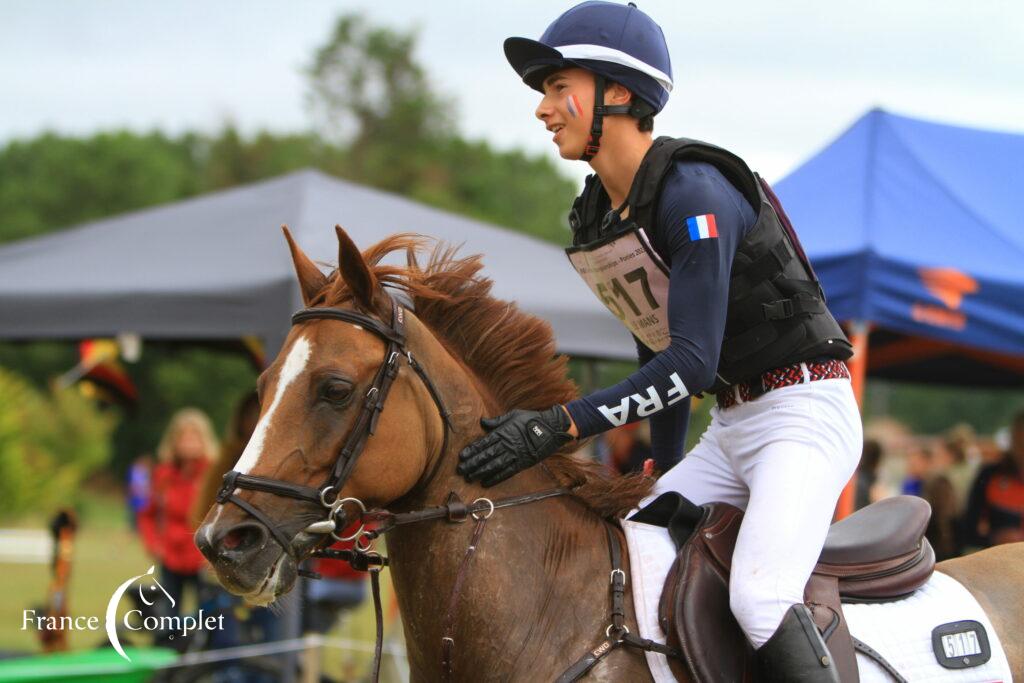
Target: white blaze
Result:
[294, 364]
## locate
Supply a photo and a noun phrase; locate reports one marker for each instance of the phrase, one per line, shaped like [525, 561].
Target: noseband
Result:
[365, 424]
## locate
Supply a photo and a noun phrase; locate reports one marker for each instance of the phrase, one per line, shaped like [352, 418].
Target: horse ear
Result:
[354, 271]
[311, 279]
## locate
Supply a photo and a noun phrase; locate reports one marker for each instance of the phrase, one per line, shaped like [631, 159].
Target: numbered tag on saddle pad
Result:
[630, 280]
[961, 644]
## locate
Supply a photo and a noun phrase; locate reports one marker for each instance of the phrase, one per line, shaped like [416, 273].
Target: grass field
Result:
[106, 553]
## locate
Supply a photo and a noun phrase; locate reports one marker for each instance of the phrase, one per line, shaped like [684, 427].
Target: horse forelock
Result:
[511, 352]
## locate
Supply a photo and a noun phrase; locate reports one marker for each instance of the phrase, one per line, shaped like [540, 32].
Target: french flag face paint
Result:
[573, 105]
[702, 227]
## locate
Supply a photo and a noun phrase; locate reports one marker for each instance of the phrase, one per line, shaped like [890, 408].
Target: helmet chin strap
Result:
[593, 145]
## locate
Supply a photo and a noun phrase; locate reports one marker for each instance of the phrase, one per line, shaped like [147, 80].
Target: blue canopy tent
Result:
[916, 229]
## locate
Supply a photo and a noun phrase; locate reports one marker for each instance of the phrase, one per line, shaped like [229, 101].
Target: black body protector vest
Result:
[777, 314]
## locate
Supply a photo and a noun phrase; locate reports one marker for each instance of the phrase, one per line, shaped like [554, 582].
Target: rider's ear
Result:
[616, 93]
[354, 271]
[311, 279]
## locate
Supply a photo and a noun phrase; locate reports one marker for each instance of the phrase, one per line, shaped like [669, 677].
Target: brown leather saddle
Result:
[878, 554]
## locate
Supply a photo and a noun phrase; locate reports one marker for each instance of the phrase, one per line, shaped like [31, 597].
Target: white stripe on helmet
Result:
[607, 54]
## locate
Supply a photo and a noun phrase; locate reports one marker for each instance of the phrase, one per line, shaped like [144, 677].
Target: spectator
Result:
[995, 508]
[990, 451]
[961, 443]
[867, 474]
[185, 452]
[918, 467]
[138, 487]
[942, 527]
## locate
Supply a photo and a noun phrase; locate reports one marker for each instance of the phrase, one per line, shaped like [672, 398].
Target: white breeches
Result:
[784, 458]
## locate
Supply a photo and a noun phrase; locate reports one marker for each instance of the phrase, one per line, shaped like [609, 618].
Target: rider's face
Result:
[567, 109]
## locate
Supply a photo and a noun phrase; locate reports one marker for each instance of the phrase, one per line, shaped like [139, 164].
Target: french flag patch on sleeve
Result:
[702, 227]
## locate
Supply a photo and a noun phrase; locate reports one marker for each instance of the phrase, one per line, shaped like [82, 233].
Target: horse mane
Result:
[510, 351]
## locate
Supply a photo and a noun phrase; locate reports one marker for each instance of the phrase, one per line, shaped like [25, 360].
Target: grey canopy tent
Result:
[217, 267]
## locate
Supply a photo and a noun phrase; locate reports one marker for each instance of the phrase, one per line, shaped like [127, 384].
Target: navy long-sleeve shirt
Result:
[699, 270]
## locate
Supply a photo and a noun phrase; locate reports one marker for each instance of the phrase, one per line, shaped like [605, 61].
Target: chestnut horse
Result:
[535, 596]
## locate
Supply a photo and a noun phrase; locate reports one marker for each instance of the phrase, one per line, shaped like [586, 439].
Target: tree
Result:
[50, 441]
[52, 181]
[367, 90]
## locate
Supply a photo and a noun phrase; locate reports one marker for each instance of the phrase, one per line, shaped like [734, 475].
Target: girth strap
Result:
[861, 646]
[617, 634]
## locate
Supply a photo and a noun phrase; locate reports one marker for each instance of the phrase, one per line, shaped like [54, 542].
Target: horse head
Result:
[314, 397]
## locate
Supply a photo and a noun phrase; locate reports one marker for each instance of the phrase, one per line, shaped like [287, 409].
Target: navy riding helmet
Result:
[616, 42]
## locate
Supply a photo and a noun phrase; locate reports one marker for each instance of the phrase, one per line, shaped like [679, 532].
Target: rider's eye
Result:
[336, 392]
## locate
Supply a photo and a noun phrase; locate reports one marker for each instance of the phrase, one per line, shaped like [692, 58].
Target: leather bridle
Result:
[365, 424]
[453, 511]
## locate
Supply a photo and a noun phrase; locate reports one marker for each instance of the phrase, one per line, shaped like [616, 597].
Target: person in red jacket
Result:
[185, 452]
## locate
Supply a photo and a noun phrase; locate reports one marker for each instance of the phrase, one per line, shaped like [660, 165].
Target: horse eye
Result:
[336, 392]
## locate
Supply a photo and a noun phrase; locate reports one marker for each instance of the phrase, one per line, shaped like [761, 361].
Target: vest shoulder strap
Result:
[665, 152]
[588, 210]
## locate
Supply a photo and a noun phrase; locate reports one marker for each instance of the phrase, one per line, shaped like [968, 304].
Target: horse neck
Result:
[540, 557]
[539, 572]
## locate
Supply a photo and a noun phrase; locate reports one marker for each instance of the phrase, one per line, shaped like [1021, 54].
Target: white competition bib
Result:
[631, 281]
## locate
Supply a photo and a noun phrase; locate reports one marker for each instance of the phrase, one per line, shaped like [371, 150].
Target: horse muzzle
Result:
[248, 561]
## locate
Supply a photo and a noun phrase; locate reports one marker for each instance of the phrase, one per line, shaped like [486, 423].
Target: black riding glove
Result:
[516, 441]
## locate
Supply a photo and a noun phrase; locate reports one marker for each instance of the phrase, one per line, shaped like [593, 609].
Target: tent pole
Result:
[858, 364]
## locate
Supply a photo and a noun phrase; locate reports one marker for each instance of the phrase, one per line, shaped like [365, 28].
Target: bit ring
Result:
[490, 512]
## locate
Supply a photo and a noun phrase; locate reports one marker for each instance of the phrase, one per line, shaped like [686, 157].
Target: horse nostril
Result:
[243, 537]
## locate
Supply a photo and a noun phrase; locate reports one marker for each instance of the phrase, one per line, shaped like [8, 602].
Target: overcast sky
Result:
[774, 81]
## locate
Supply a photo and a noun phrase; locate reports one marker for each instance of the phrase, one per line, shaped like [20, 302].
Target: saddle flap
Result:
[695, 602]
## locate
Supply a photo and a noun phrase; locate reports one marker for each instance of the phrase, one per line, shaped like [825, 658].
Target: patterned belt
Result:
[785, 376]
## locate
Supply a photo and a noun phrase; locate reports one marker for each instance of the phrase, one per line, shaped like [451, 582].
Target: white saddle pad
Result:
[900, 631]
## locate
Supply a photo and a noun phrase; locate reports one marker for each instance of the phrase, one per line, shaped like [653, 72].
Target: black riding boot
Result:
[796, 652]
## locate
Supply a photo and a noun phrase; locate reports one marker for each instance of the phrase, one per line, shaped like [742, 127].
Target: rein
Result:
[455, 511]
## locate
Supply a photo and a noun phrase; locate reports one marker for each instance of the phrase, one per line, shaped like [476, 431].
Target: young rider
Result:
[695, 256]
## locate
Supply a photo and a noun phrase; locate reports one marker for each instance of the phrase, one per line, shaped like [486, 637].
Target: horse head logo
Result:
[152, 590]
